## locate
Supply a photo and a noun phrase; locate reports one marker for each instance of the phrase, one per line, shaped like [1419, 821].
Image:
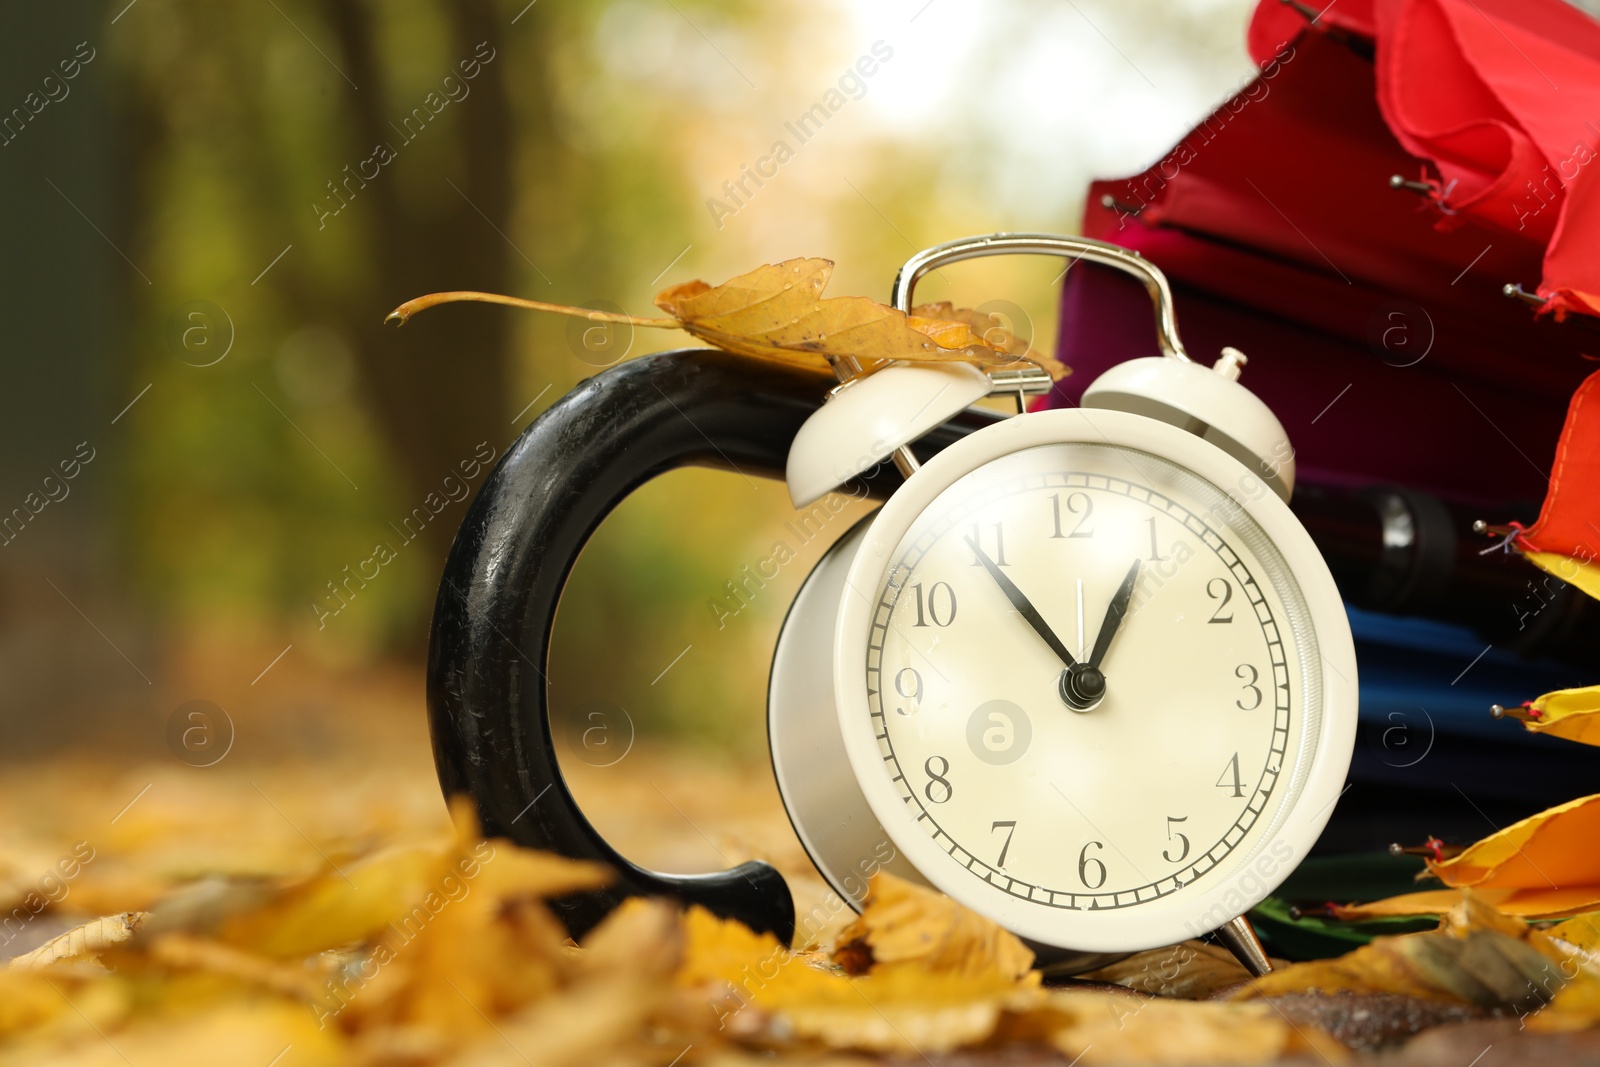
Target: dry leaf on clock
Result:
[993, 329]
[777, 312]
[1543, 867]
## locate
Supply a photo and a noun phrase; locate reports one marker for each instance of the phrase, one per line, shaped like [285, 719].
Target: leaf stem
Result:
[400, 314]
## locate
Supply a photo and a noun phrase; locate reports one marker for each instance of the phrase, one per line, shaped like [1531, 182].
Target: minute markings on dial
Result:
[1254, 801]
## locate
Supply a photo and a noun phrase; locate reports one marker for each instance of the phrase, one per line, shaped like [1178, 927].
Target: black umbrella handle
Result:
[487, 703]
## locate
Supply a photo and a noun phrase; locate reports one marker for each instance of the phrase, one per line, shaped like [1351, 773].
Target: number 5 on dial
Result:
[1183, 853]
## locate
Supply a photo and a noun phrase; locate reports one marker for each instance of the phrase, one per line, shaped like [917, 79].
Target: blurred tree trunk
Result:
[439, 386]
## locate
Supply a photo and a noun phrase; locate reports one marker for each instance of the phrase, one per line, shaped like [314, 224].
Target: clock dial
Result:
[1089, 674]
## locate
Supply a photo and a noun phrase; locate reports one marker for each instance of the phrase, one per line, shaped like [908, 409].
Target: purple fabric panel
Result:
[1415, 426]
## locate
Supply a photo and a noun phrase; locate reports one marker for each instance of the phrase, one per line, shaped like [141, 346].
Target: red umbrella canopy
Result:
[1502, 97]
[1375, 314]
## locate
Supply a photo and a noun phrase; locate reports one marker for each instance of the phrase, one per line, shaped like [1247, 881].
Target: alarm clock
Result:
[1083, 671]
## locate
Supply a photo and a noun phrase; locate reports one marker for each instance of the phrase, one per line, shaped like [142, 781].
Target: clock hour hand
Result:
[1023, 605]
[1115, 612]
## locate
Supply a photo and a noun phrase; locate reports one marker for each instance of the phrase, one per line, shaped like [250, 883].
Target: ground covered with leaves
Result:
[310, 899]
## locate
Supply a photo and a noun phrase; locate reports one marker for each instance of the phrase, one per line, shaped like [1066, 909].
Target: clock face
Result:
[1094, 690]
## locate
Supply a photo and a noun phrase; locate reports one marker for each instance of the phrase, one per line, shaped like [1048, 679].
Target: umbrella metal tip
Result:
[1497, 710]
[1397, 849]
[1396, 181]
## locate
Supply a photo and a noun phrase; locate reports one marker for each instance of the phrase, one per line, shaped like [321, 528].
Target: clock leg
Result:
[1239, 938]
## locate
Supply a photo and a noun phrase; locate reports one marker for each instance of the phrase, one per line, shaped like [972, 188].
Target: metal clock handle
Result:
[1049, 244]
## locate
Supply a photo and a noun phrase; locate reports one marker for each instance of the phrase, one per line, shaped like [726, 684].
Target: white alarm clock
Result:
[1084, 671]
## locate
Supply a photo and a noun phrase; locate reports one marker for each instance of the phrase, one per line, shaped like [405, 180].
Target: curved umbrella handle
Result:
[488, 708]
[487, 704]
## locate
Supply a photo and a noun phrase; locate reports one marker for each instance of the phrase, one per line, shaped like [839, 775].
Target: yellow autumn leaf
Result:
[87, 940]
[1477, 956]
[1093, 1028]
[403, 886]
[1580, 931]
[1543, 867]
[905, 923]
[777, 312]
[905, 1006]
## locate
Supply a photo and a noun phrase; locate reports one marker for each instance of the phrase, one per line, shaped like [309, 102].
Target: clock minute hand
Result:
[1023, 605]
[1114, 615]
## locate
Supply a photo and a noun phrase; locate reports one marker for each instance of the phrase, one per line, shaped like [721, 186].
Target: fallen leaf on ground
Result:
[759, 990]
[1543, 867]
[905, 923]
[90, 939]
[778, 312]
[1192, 970]
[1478, 956]
[1094, 1028]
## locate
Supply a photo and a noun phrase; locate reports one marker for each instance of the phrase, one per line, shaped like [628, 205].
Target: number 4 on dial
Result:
[1230, 777]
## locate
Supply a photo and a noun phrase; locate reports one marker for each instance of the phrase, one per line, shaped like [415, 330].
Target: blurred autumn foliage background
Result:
[203, 233]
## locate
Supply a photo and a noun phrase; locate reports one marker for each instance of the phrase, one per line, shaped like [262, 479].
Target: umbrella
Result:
[1353, 218]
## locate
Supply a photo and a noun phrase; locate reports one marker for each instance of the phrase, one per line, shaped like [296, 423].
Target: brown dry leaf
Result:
[1580, 931]
[90, 939]
[766, 994]
[720, 950]
[404, 887]
[182, 952]
[642, 937]
[1192, 970]
[993, 330]
[574, 1028]
[340, 906]
[1477, 956]
[1544, 867]
[1091, 1027]
[900, 1008]
[778, 312]
[245, 1032]
[27, 1001]
[905, 923]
